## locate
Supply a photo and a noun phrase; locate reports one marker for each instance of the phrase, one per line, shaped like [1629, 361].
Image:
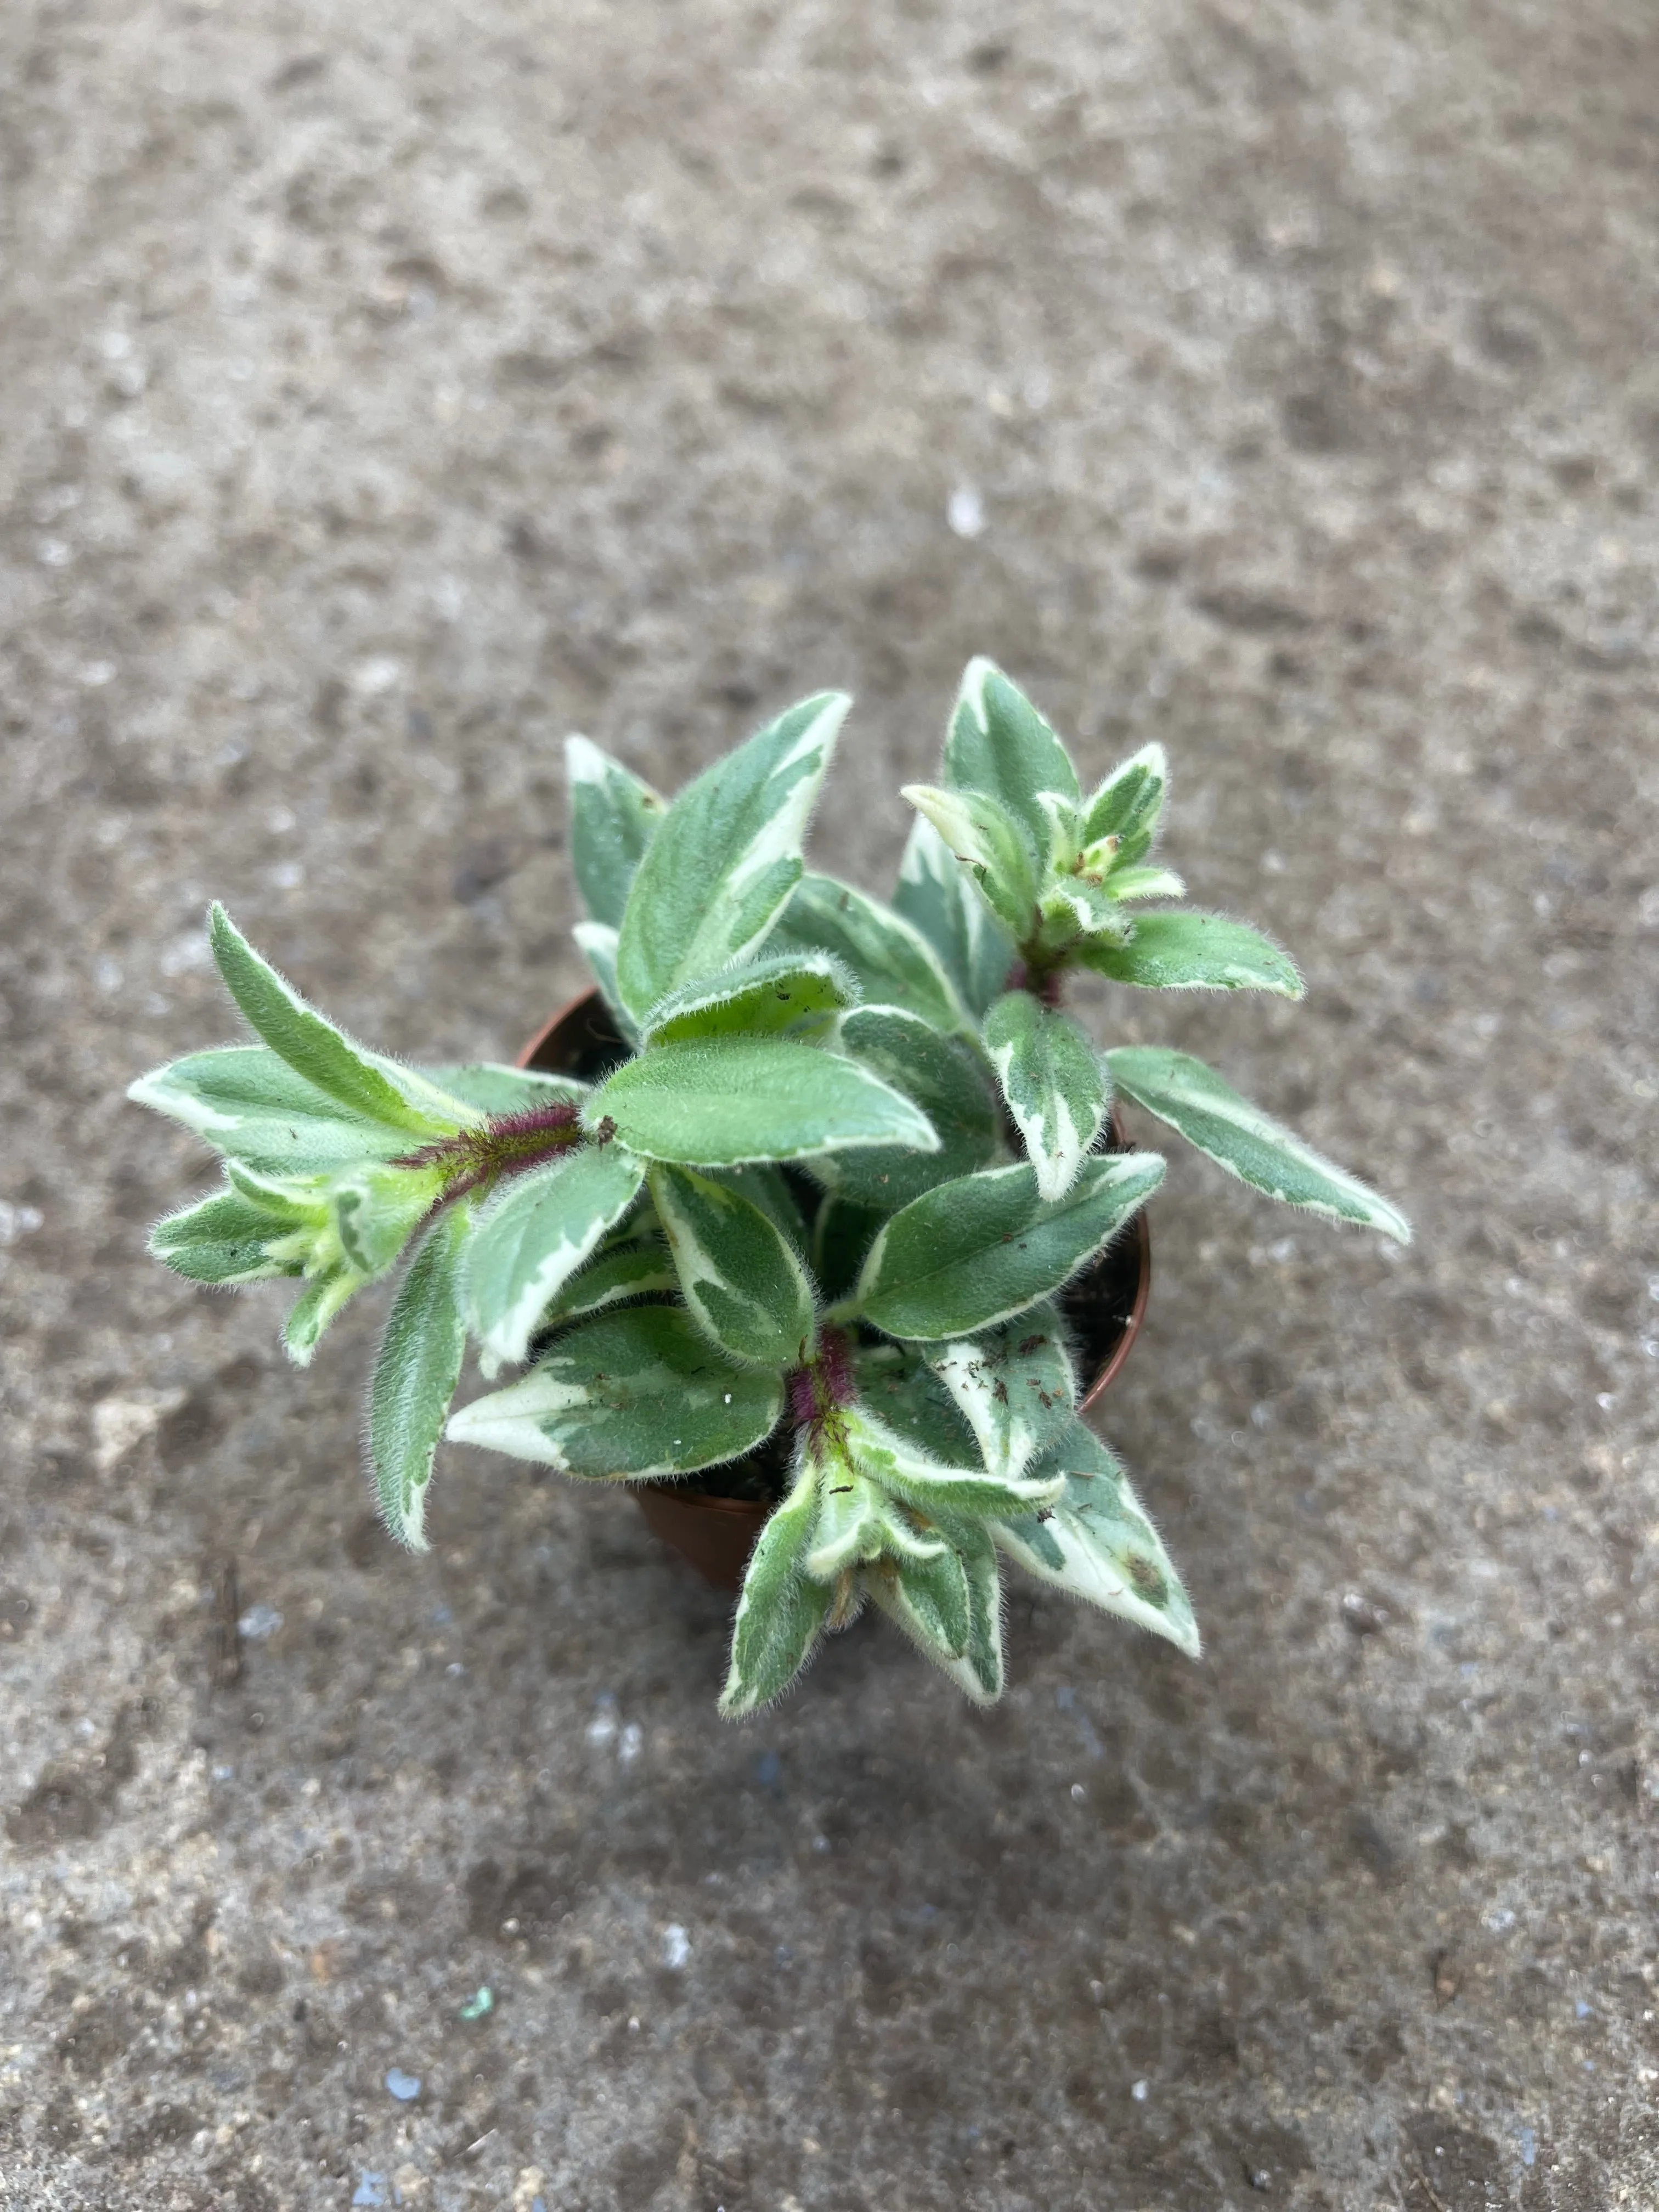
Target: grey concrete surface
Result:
[386, 390]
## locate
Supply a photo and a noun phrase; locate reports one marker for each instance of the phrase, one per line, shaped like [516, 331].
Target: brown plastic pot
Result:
[1105, 1306]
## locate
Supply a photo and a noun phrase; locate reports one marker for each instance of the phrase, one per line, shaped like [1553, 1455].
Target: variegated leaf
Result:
[1249, 1144]
[929, 1598]
[726, 856]
[531, 1239]
[249, 1104]
[782, 1610]
[598, 943]
[993, 844]
[999, 744]
[793, 993]
[741, 1277]
[1121, 820]
[1052, 1083]
[945, 1079]
[1195, 952]
[633, 1396]
[1014, 1385]
[613, 819]
[937, 898]
[893, 963]
[897, 1466]
[414, 1377]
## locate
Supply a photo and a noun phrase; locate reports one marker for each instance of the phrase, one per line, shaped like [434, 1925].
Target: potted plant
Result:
[790, 1225]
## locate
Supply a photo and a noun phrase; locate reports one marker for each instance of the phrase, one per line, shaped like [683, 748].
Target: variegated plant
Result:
[806, 1239]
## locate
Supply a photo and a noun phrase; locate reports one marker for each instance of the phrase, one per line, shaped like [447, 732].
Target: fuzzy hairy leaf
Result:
[841, 1235]
[222, 1239]
[613, 819]
[928, 1599]
[888, 1460]
[1014, 1386]
[1052, 1083]
[1127, 807]
[1126, 883]
[315, 1308]
[893, 963]
[726, 856]
[945, 1079]
[937, 898]
[1249, 1144]
[797, 994]
[979, 1250]
[377, 1211]
[528, 1242]
[738, 1274]
[250, 1105]
[910, 1400]
[1097, 1542]
[992, 843]
[768, 1187]
[629, 1396]
[980, 1669]
[780, 1611]
[1000, 744]
[636, 1270]
[496, 1089]
[416, 1372]
[1196, 952]
[598, 943]
[1073, 907]
[362, 1081]
[718, 1102]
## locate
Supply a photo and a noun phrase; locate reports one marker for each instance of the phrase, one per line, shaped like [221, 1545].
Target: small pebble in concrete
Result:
[405, 2087]
[676, 1947]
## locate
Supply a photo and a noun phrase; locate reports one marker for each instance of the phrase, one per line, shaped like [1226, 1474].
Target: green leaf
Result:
[361, 1082]
[1073, 907]
[632, 1395]
[1249, 1144]
[498, 1090]
[250, 1105]
[613, 819]
[726, 856]
[1014, 1386]
[631, 1271]
[937, 898]
[782, 1610]
[928, 1599]
[414, 1377]
[1196, 952]
[893, 963]
[1125, 883]
[898, 1386]
[718, 1102]
[1052, 1083]
[1000, 744]
[738, 1274]
[377, 1212]
[223, 1239]
[841, 1235]
[795, 993]
[979, 1671]
[857, 1523]
[979, 1250]
[528, 1242]
[945, 1079]
[314, 1309]
[768, 1187]
[598, 943]
[993, 845]
[1126, 809]
[1097, 1543]
[888, 1459]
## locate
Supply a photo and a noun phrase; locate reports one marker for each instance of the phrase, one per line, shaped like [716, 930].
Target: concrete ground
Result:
[385, 391]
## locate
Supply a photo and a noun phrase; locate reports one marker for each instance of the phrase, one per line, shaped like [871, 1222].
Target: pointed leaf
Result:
[726, 856]
[1126, 809]
[896, 1385]
[1196, 952]
[851, 1524]
[1014, 1386]
[741, 1277]
[315, 1309]
[528, 1242]
[999, 744]
[414, 1377]
[636, 1394]
[795, 993]
[1052, 1083]
[993, 845]
[613, 819]
[980, 1671]
[225, 1238]
[1097, 1542]
[362, 1082]
[945, 1078]
[935, 896]
[889, 1461]
[251, 1105]
[892, 962]
[1125, 883]
[841, 1235]
[1249, 1144]
[718, 1102]
[378, 1210]
[979, 1250]
[782, 1610]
